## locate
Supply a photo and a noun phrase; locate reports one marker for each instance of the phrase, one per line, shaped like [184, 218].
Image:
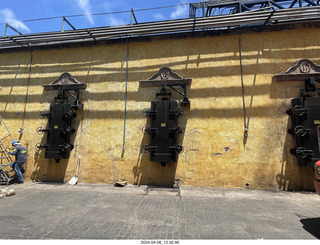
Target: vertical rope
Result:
[26, 100]
[125, 104]
[243, 100]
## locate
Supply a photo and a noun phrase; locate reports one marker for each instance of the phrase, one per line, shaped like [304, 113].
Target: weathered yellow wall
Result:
[213, 122]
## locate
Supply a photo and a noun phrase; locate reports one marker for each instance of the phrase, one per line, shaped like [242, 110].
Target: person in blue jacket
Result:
[20, 154]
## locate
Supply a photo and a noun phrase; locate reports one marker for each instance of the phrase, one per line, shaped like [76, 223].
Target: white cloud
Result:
[86, 7]
[116, 22]
[110, 6]
[159, 16]
[9, 17]
[180, 11]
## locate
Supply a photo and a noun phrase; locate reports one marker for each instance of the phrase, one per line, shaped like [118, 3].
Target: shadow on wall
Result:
[292, 177]
[48, 169]
[47, 67]
[152, 173]
[312, 225]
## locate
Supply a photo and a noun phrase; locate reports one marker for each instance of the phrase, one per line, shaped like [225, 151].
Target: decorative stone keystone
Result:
[164, 75]
[299, 71]
[65, 81]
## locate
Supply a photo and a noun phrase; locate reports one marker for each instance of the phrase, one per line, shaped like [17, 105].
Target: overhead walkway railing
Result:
[6, 26]
[267, 16]
[208, 8]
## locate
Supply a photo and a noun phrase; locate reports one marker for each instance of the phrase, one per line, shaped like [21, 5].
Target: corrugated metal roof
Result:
[267, 16]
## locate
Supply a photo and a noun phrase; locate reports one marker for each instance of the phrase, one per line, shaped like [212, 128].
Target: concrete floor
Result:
[94, 211]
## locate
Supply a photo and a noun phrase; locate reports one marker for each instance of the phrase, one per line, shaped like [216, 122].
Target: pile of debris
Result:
[6, 192]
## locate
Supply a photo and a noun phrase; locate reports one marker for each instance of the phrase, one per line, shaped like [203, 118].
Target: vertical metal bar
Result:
[26, 100]
[203, 14]
[62, 26]
[133, 16]
[242, 86]
[190, 10]
[5, 30]
[125, 103]
[12, 28]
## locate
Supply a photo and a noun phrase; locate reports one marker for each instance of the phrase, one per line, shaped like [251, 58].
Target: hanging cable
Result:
[243, 100]
[125, 103]
[26, 100]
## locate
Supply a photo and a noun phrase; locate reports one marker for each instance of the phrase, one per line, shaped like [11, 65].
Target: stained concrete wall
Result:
[216, 153]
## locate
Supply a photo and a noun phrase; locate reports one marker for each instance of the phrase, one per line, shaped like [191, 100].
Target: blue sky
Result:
[21, 13]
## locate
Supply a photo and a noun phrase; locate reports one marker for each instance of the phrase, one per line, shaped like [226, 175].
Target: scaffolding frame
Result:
[208, 8]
